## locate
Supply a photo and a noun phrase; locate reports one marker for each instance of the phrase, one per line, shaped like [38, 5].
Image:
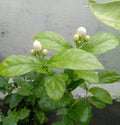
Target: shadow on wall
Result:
[108, 116]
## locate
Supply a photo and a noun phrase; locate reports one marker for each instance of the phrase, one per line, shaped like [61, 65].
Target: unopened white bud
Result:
[81, 31]
[45, 52]
[37, 45]
[87, 37]
[76, 37]
[33, 52]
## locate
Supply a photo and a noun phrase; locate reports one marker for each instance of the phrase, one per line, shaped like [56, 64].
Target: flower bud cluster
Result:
[80, 37]
[37, 49]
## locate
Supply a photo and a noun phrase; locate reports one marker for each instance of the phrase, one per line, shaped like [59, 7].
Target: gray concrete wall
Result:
[20, 20]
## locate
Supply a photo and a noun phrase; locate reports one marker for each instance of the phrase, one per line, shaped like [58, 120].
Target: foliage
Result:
[107, 12]
[33, 86]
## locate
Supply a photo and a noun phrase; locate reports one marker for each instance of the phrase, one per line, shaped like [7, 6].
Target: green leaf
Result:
[19, 65]
[108, 77]
[55, 86]
[52, 41]
[101, 94]
[75, 59]
[101, 43]
[40, 115]
[108, 13]
[15, 100]
[89, 76]
[81, 112]
[25, 89]
[65, 121]
[72, 75]
[84, 86]
[75, 84]
[94, 101]
[1, 117]
[3, 81]
[62, 111]
[47, 104]
[11, 119]
[24, 113]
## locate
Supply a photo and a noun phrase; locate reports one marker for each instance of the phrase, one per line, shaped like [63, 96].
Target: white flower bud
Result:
[33, 52]
[45, 52]
[87, 38]
[79, 42]
[76, 37]
[37, 46]
[81, 31]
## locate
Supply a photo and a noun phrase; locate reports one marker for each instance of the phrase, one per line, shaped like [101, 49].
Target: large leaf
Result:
[108, 77]
[19, 65]
[75, 59]
[101, 94]
[101, 43]
[89, 76]
[55, 86]
[52, 41]
[81, 112]
[107, 12]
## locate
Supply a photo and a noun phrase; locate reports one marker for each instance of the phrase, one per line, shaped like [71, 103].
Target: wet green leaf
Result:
[55, 86]
[101, 94]
[101, 43]
[75, 59]
[19, 65]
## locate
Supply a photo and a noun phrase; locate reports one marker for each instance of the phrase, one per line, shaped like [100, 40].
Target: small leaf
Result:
[65, 121]
[24, 113]
[40, 115]
[89, 76]
[62, 111]
[3, 81]
[25, 89]
[84, 86]
[108, 77]
[55, 86]
[75, 59]
[101, 94]
[101, 43]
[108, 13]
[1, 117]
[11, 119]
[19, 65]
[75, 84]
[94, 101]
[52, 41]
[81, 112]
[15, 100]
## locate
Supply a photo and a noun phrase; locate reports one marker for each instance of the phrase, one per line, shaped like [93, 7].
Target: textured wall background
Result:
[20, 20]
